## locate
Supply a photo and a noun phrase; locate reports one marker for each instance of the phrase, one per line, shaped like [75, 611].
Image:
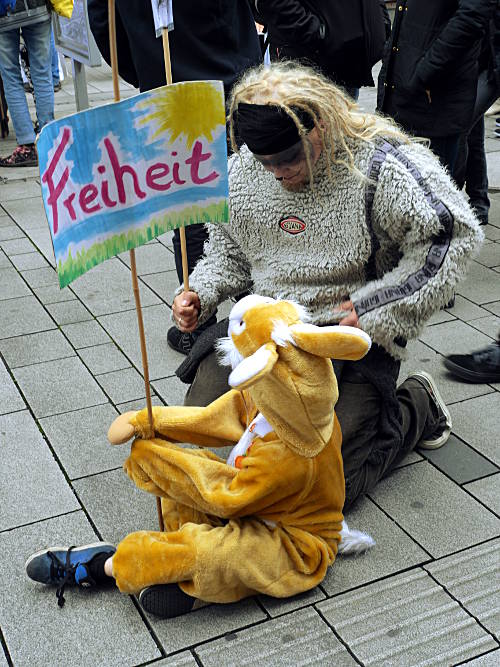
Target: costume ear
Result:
[337, 342]
[121, 430]
[253, 368]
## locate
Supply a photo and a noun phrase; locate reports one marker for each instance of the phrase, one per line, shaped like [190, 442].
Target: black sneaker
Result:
[179, 341]
[62, 566]
[443, 430]
[168, 601]
[480, 366]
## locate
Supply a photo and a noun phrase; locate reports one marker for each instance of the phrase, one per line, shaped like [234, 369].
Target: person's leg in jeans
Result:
[37, 39]
[10, 70]
[54, 63]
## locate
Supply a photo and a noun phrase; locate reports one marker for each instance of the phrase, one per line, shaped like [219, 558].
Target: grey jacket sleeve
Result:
[417, 207]
[222, 272]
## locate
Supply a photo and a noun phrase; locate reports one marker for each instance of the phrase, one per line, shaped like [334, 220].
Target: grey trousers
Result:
[381, 423]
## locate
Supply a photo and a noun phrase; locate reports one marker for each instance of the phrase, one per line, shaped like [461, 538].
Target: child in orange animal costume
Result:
[269, 519]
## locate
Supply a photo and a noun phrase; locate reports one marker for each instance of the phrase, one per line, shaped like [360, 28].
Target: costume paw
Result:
[121, 430]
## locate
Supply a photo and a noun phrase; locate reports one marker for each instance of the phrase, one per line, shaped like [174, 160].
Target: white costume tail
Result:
[354, 541]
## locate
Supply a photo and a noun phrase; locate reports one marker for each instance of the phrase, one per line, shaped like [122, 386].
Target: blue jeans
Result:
[54, 60]
[37, 39]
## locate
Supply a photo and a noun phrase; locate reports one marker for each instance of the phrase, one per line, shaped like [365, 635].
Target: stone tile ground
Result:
[427, 594]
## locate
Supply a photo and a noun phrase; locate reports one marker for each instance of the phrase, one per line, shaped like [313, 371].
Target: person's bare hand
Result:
[350, 320]
[186, 308]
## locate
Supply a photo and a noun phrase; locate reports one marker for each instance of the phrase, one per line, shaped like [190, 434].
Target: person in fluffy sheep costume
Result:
[269, 519]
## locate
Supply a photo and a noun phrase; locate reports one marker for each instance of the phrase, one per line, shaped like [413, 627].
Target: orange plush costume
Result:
[269, 520]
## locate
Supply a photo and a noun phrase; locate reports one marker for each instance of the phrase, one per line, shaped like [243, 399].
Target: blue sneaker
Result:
[73, 566]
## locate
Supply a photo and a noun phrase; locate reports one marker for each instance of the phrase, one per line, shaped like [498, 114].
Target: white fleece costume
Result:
[313, 245]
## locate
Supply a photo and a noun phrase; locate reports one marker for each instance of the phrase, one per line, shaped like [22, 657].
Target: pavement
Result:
[427, 594]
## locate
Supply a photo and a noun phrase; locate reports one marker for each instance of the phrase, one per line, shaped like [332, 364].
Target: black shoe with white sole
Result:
[480, 366]
[443, 429]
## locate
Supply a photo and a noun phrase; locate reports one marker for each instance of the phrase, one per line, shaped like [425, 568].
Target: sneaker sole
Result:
[471, 376]
[166, 601]
[42, 552]
[439, 442]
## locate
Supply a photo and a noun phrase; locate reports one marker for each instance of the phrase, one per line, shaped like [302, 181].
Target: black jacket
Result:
[435, 45]
[342, 38]
[212, 39]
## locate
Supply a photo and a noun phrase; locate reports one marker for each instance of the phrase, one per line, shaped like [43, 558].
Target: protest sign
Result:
[115, 177]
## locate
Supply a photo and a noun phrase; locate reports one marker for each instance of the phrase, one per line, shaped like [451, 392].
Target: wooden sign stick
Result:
[182, 230]
[133, 268]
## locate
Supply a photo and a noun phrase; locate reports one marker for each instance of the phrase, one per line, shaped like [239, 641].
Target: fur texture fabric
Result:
[272, 522]
[314, 245]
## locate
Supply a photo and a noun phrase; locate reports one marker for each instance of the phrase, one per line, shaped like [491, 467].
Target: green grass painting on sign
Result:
[86, 258]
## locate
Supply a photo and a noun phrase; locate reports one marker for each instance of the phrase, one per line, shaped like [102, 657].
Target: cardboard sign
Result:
[163, 15]
[115, 177]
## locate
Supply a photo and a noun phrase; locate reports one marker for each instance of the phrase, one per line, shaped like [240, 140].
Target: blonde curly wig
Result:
[338, 119]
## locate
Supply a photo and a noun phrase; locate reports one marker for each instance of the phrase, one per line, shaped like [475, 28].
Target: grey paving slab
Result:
[466, 310]
[12, 285]
[406, 620]
[489, 255]
[438, 514]
[493, 307]
[459, 461]
[10, 398]
[491, 659]
[41, 238]
[108, 289]
[467, 416]
[492, 232]
[10, 232]
[53, 294]
[69, 312]
[17, 246]
[85, 334]
[28, 212]
[23, 315]
[172, 390]
[94, 628]
[58, 386]
[103, 358]
[439, 317]
[138, 404]
[20, 189]
[184, 659]
[115, 504]
[409, 459]
[479, 285]
[122, 386]
[300, 638]
[489, 325]
[4, 261]
[420, 356]
[122, 327]
[29, 260]
[279, 606]
[80, 440]
[166, 239]
[487, 490]
[44, 277]
[35, 348]
[394, 551]
[5, 221]
[151, 258]
[33, 486]
[164, 284]
[453, 338]
[473, 578]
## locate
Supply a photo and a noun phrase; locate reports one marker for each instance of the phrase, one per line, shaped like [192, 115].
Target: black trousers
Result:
[381, 423]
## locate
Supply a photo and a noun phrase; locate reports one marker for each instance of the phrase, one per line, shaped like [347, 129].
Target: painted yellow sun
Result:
[192, 109]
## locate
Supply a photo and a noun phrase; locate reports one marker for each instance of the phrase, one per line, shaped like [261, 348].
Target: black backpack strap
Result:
[382, 148]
